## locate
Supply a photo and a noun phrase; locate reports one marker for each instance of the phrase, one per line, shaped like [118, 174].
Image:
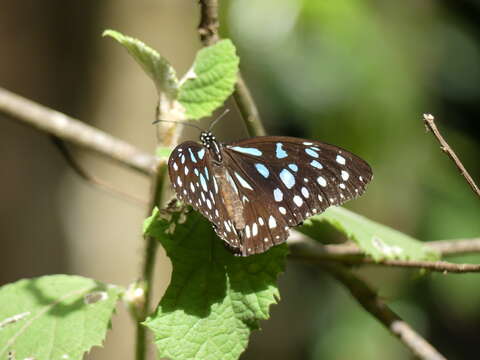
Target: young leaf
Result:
[376, 240]
[214, 299]
[156, 66]
[210, 81]
[54, 317]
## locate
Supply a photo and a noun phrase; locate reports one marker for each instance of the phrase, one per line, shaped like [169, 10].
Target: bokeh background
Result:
[355, 73]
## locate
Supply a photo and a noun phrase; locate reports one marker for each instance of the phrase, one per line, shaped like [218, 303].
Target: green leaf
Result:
[376, 240]
[214, 299]
[154, 65]
[210, 81]
[54, 317]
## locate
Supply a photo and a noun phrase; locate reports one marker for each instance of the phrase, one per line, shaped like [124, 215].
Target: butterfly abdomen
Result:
[229, 194]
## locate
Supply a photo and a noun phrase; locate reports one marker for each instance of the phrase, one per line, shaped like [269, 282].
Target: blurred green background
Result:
[358, 74]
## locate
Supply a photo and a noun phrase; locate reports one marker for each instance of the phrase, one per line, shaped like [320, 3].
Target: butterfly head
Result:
[209, 141]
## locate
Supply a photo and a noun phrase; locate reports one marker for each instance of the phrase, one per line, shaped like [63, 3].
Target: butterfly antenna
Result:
[179, 123]
[212, 124]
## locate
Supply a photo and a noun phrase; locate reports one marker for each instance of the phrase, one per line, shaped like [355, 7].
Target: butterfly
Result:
[254, 190]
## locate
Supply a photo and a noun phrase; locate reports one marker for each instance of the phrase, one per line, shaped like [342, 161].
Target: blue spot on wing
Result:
[287, 178]
[192, 156]
[316, 164]
[293, 167]
[249, 151]
[311, 153]
[279, 152]
[262, 169]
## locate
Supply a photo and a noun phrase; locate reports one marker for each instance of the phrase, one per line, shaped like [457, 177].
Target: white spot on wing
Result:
[321, 181]
[305, 192]
[242, 181]
[340, 159]
[298, 200]
[345, 175]
[278, 195]
[272, 223]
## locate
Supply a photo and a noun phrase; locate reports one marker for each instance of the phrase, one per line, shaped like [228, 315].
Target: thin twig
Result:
[429, 121]
[455, 247]
[74, 131]
[89, 178]
[443, 247]
[371, 302]
[208, 30]
[302, 248]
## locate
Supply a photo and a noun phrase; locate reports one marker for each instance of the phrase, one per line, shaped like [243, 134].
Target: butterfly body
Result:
[254, 190]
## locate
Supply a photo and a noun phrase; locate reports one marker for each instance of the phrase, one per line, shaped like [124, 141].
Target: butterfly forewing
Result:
[254, 190]
[292, 180]
[192, 176]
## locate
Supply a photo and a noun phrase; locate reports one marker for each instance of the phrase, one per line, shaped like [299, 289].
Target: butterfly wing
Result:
[284, 180]
[191, 174]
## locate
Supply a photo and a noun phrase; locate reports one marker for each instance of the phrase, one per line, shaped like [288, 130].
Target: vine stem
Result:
[372, 303]
[208, 31]
[148, 267]
[170, 134]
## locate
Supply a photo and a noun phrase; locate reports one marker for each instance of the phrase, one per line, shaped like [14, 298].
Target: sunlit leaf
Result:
[210, 81]
[154, 65]
[376, 240]
[214, 299]
[54, 317]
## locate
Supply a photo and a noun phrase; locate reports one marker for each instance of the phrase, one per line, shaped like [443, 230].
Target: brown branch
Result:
[76, 132]
[429, 121]
[208, 30]
[456, 246]
[89, 178]
[371, 302]
[305, 249]
[208, 27]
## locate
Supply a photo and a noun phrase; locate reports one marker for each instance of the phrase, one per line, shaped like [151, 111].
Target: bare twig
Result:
[371, 302]
[305, 249]
[429, 121]
[89, 178]
[208, 27]
[456, 246]
[74, 131]
[208, 30]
